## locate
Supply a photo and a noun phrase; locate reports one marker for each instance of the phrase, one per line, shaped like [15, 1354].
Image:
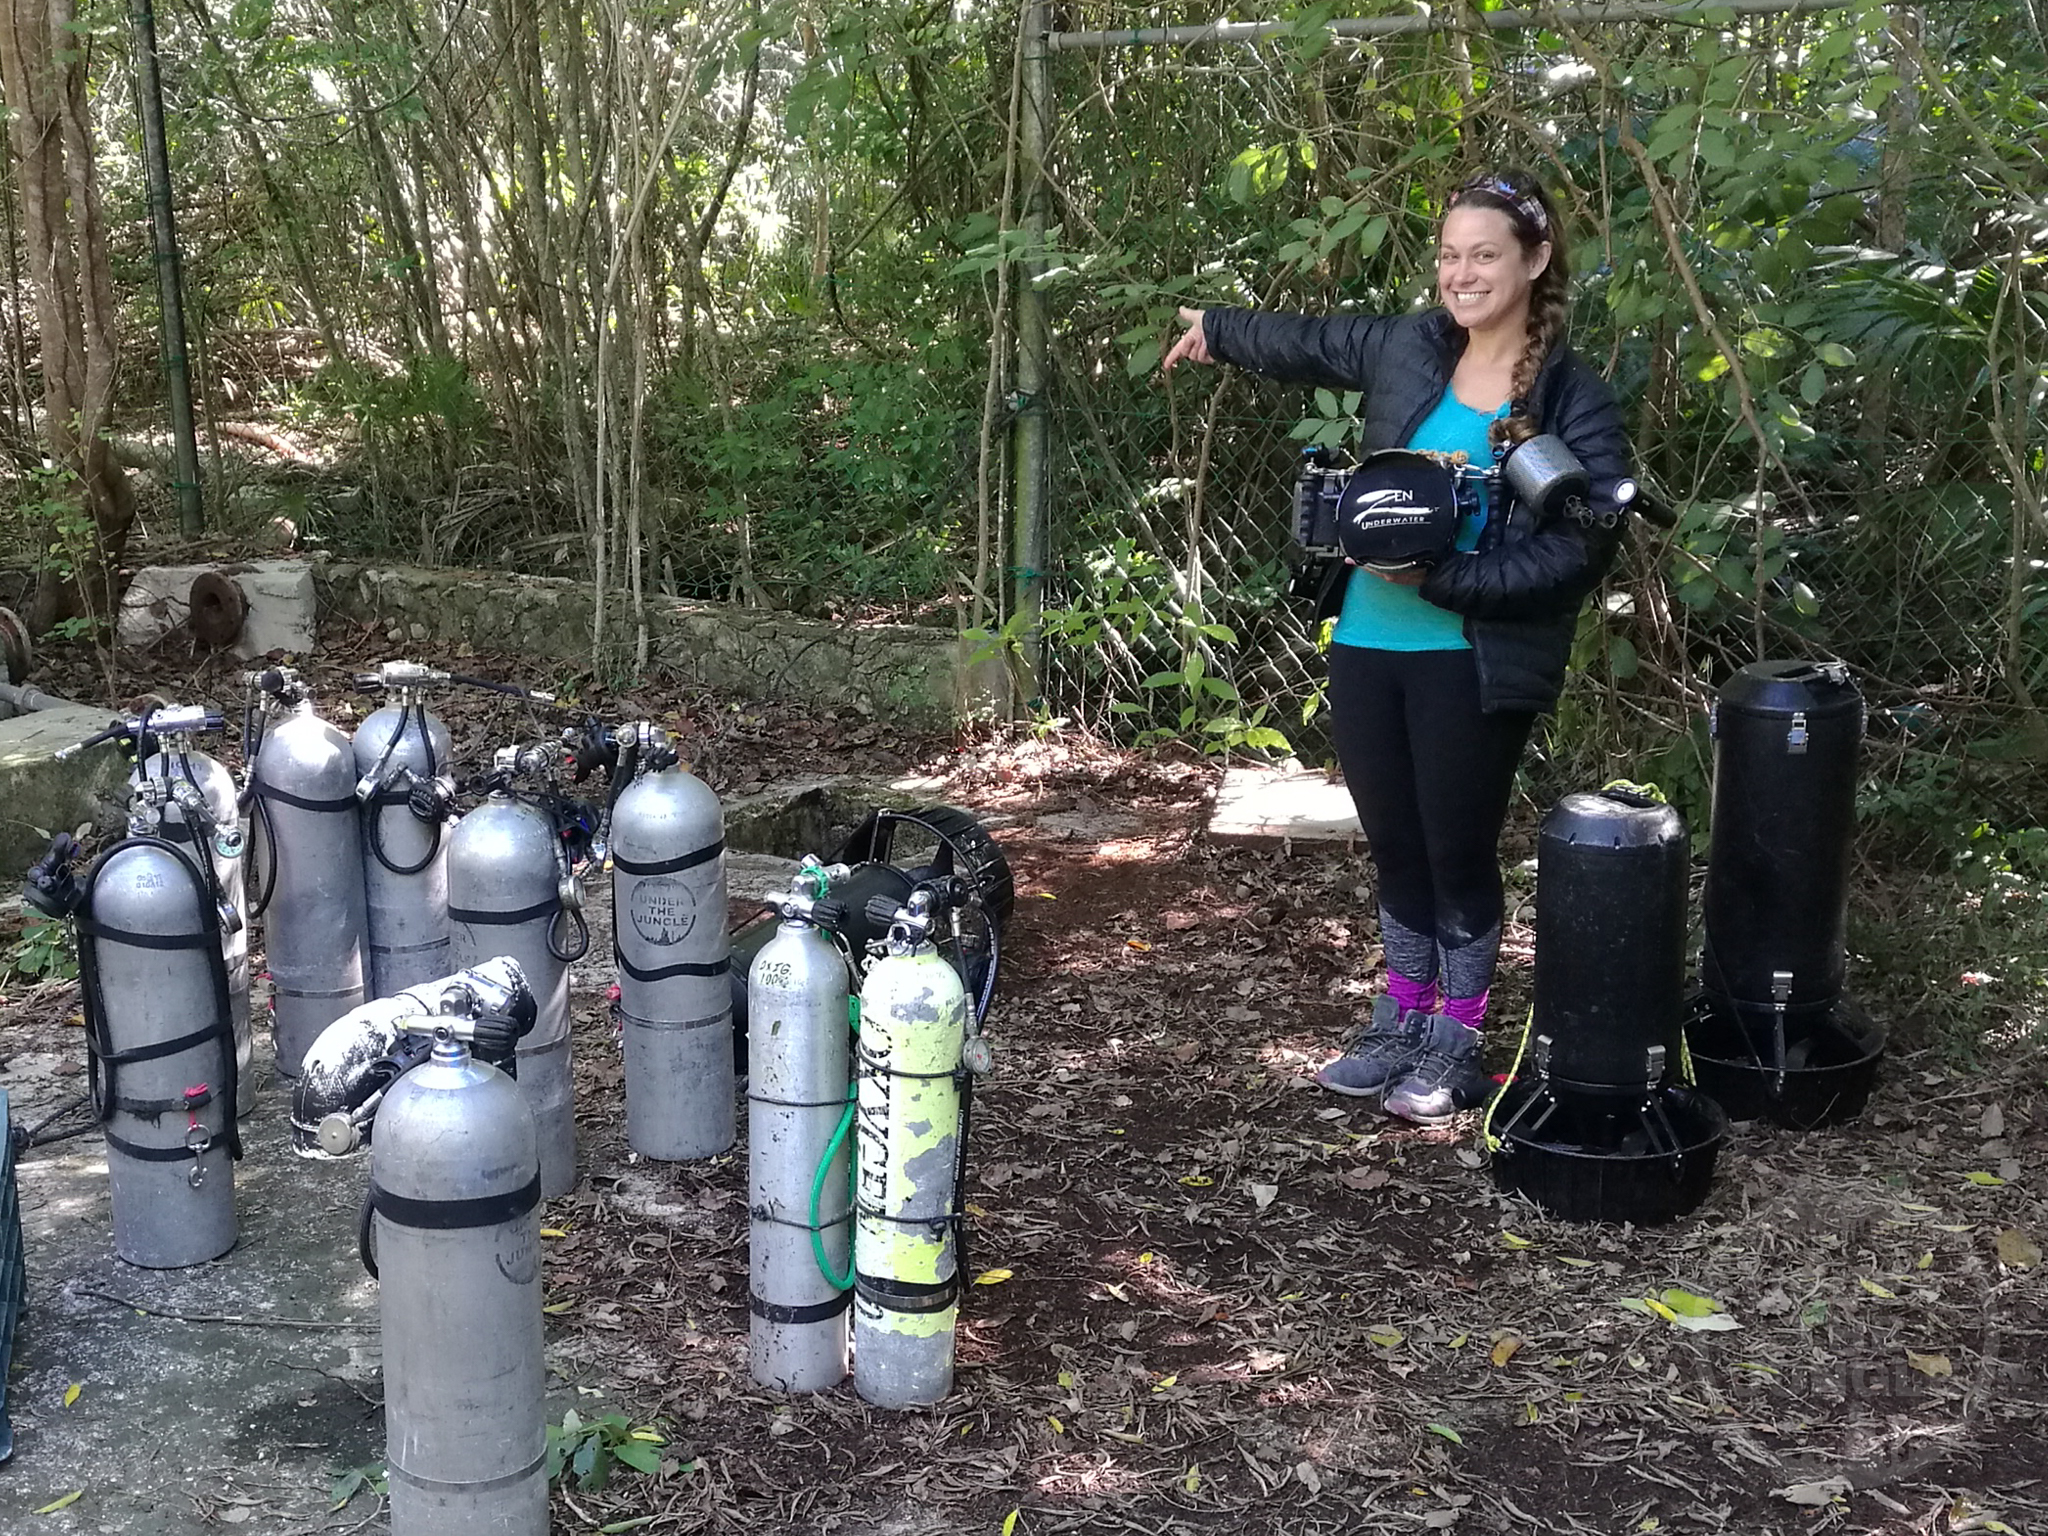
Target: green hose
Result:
[837, 1282]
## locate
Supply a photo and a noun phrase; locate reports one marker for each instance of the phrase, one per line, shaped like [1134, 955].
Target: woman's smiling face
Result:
[1483, 274]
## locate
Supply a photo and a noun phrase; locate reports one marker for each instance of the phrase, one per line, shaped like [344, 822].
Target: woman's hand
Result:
[1192, 344]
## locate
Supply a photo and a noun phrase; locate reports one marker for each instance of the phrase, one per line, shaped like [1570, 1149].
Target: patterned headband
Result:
[1525, 207]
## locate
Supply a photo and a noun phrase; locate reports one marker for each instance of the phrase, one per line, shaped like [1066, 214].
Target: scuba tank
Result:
[159, 1031]
[455, 1202]
[407, 795]
[170, 771]
[309, 877]
[669, 935]
[360, 1055]
[799, 1109]
[402, 754]
[919, 1045]
[513, 890]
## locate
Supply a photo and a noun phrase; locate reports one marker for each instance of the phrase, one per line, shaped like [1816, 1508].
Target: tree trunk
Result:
[42, 70]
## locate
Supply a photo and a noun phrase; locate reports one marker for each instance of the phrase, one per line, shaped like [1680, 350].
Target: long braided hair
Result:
[1535, 220]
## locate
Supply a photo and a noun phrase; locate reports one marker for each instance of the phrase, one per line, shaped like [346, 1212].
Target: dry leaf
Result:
[1929, 1365]
[1365, 1178]
[1992, 1124]
[1386, 1338]
[1311, 1479]
[1505, 1348]
[993, 1276]
[2017, 1248]
[1814, 1495]
[1875, 1289]
[1264, 1195]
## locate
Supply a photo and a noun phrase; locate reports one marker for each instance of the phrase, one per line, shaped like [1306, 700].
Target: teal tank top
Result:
[1386, 616]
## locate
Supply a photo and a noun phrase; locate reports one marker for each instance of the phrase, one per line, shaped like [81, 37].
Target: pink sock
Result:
[1468, 1011]
[1413, 995]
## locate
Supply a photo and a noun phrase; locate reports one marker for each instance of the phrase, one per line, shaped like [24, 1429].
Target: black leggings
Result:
[1431, 774]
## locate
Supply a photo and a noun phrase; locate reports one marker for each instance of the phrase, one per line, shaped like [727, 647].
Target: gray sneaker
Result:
[1444, 1078]
[1387, 1047]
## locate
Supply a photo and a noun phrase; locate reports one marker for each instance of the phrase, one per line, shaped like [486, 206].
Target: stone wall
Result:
[893, 672]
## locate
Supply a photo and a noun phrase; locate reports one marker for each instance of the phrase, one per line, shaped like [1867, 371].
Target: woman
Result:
[1437, 677]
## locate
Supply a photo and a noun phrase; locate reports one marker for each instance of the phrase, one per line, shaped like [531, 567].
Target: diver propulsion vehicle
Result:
[889, 854]
[1599, 1122]
[1773, 1029]
[356, 1060]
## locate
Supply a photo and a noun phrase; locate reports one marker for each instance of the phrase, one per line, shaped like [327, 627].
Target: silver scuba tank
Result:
[219, 835]
[914, 1019]
[160, 1040]
[799, 1113]
[455, 1202]
[402, 754]
[511, 891]
[308, 869]
[671, 941]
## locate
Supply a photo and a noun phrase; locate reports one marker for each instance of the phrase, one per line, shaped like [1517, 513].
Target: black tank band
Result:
[301, 803]
[816, 1312]
[97, 930]
[479, 917]
[178, 1154]
[152, 1109]
[907, 1295]
[715, 968]
[684, 861]
[455, 1215]
[163, 1048]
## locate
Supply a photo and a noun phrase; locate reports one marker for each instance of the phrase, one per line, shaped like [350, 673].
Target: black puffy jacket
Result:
[1520, 590]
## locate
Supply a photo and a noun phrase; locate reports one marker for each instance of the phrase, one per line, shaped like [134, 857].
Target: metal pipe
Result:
[156, 162]
[23, 700]
[1031, 431]
[1447, 21]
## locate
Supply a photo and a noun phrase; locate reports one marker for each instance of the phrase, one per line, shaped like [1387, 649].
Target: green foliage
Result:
[42, 951]
[588, 1449]
[56, 528]
[347, 1484]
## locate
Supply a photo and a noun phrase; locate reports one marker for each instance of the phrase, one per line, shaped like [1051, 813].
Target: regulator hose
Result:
[383, 798]
[838, 1140]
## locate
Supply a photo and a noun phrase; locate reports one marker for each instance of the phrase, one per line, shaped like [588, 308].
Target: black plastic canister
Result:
[1786, 735]
[1611, 884]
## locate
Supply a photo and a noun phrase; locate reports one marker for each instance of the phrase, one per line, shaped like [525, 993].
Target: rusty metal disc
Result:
[217, 609]
[17, 652]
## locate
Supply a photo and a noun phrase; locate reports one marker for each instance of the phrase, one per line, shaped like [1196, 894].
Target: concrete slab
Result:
[1267, 806]
[279, 593]
[40, 796]
[232, 1390]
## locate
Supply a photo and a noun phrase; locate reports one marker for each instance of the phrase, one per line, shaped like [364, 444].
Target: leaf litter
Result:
[1297, 1361]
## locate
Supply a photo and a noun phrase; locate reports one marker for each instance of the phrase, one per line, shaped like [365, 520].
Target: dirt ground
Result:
[1217, 1298]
